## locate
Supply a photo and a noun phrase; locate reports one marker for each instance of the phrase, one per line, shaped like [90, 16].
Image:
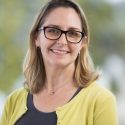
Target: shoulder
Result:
[97, 93]
[103, 104]
[18, 96]
[15, 102]
[99, 89]
[18, 93]
[102, 95]
[97, 98]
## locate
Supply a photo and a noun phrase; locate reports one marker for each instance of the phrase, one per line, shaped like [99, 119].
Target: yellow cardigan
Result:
[93, 105]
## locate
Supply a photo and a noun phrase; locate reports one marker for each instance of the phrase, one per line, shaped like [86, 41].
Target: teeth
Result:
[59, 51]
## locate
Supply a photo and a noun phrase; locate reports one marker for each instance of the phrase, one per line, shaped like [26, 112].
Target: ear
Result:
[37, 43]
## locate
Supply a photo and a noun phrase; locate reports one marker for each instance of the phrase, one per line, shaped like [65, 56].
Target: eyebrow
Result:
[59, 27]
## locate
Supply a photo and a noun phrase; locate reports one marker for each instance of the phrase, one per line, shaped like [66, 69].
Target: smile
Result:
[59, 51]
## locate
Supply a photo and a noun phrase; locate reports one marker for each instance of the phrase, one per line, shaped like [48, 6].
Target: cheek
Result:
[76, 48]
[43, 42]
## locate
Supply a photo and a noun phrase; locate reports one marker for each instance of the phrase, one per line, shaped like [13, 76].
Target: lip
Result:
[59, 51]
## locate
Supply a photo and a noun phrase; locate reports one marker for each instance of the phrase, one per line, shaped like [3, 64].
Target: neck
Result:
[58, 79]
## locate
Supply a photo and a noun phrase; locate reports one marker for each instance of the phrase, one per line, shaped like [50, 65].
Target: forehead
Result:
[63, 17]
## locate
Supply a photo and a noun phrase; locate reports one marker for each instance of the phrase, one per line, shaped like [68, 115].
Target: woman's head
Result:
[34, 68]
[60, 41]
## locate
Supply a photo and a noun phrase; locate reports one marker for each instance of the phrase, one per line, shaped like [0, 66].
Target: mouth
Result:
[57, 51]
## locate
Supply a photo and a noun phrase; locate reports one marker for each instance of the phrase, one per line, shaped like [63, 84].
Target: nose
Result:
[62, 40]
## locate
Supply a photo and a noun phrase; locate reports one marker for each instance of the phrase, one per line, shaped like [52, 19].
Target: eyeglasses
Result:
[53, 33]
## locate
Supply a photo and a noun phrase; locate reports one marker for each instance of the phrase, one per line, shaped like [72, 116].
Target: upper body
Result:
[93, 105]
[56, 65]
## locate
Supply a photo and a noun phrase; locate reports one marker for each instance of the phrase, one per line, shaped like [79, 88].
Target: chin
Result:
[61, 64]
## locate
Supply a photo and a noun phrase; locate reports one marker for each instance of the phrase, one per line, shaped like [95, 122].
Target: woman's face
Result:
[60, 52]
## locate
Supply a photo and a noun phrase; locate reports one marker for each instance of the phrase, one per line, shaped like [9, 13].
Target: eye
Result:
[51, 30]
[73, 34]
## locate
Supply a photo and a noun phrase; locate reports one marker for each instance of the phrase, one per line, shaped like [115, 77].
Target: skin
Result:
[59, 59]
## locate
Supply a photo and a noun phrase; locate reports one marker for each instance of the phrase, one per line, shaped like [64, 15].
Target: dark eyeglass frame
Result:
[62, 31]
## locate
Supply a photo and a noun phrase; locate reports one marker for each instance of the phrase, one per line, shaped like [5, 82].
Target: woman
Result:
[60, 87]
